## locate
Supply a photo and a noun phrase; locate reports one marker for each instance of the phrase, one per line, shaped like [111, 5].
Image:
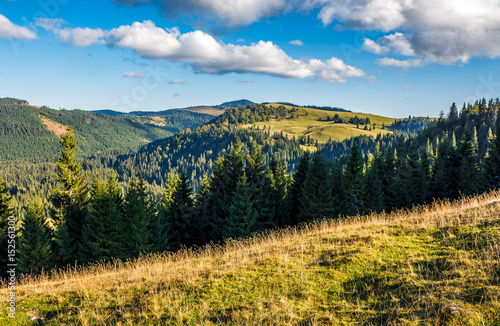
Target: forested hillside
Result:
[30, 134]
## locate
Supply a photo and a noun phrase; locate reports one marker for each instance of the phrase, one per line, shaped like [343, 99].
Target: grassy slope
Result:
[205, 110]
[314, 125]
[436, 265]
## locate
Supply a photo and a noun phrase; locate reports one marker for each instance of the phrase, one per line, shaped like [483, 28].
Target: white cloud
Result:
[399, 43]
[9, 30]
[177, 81]
[205, 54]
[391, 62]
[441, 31]
[226, 12]
[297, 42]
[132, 74]
[81, 37]
[370, 46]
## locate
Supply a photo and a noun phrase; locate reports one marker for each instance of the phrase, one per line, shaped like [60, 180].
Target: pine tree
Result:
[201, 213]
[389, 180]
[296, 188]
[242, 217]
[279, 192]
[416, 182]
[317, 199]
[6, 211]
[103, 229]
[441, 183]
[469, 182]
[339, 194]
[181, 213]
[373, 195]
[257, 174]
[35, 241]
[401, 182]
[137, 218]
[217, 200]
[69, 203]
[354, 181]
[492, 162]
[163, 220]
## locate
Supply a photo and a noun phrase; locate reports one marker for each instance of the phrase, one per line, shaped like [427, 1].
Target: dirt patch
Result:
[55, 127]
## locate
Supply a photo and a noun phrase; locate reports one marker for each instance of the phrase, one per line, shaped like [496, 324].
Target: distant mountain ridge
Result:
[29, 133]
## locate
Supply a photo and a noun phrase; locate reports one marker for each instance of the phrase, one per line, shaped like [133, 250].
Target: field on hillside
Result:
[313, 123]
[205, 110]
[434, 265]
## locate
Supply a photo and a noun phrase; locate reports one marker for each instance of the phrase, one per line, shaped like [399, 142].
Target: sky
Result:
[389, 57]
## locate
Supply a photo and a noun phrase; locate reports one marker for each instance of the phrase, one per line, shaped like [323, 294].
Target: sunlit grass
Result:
[313, 123]
[433, 265]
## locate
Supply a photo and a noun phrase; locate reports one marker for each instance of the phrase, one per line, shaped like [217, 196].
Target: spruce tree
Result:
[373, 195]
[354, 181]
[317, 199]
[217, 200]
[389, 179]
[339, 194]
[69, 201]
[416, 182]
[201, 213]
[242, 217]
[6, 211]
[279, 193]
[258, 179]
[35, 241]
[181, 213]
[492, 162]
[162, 240]
[104, 229]
[137, 219]
[469, 182]
[296, 188]
[444, 183]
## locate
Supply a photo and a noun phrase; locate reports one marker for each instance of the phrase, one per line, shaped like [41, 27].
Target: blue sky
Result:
[388, 57]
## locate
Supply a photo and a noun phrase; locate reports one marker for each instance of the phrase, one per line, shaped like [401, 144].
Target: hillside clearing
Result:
[55, 127]
[433, 265]
[314, 123]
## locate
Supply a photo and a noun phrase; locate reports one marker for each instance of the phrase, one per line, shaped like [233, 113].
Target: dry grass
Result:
[433, 265]
[55, 127]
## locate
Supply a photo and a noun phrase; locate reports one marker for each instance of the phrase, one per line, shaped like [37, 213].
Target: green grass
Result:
[436, 265]
[312, 123]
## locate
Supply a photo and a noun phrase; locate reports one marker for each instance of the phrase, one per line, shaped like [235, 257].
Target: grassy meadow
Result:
[313, 123]
[433, 265]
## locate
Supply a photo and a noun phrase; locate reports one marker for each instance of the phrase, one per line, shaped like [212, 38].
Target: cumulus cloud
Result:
[81, 37]
[297, 42]
[207, 55]
[176, 81]
[10, 31]
[398, 43]
[442, 31]
[227, 12]
[391, 62]
[132, 74]
[370, 46]
[437, 30]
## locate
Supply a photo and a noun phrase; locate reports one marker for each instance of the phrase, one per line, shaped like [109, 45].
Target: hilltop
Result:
[433, 265]
[323, 125]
